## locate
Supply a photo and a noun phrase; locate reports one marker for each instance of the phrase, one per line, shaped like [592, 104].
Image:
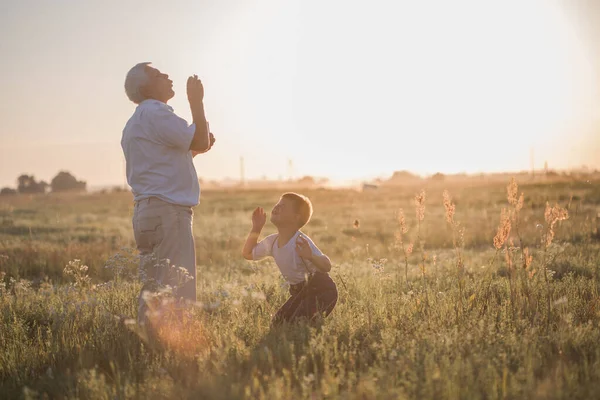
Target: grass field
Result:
[473, 311]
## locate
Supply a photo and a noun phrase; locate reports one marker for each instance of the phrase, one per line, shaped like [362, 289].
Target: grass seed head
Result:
[520, 202]
[552, 216]
[512, 191]
[449, 206]
[402, 221]
[420, 205]
[503, 229]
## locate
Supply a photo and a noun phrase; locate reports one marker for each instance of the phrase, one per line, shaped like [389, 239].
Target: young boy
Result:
[301, 263]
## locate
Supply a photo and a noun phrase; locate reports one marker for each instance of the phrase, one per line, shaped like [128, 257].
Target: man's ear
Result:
[145, 91]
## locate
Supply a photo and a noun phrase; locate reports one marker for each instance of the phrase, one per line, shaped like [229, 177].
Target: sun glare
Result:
[463, 86]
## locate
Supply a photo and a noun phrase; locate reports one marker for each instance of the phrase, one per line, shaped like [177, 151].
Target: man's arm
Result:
[259, 218]
[212, 142]
[195, 91]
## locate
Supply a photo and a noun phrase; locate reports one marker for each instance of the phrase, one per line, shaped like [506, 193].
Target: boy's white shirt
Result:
[292, 266]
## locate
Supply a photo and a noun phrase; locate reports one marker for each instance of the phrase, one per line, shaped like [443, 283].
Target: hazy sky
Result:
[343, 88]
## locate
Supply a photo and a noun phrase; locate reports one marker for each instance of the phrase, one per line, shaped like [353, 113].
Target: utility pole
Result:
[290, 169]
[531, 160]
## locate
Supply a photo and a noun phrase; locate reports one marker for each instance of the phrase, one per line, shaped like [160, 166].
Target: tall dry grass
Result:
[477, 310]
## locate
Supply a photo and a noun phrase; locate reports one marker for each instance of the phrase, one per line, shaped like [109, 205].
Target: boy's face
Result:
[284, 214]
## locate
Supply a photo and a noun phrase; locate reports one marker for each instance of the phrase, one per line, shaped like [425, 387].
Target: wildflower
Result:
[449, 206]
[552, 215]
[124, 263]
[461, 235]
[79, 273]
[420, 205]
[519, 205]
[512, 191]
[549, 237]
[378, 264]
[402, 222]
[555, 214]
[409, 248]
[548, 213]
[503, 229]
[508, 259]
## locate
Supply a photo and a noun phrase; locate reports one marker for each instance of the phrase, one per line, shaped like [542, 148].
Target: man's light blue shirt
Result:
[159, 163]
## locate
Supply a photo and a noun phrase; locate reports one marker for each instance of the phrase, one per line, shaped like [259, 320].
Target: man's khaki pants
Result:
[163, 231]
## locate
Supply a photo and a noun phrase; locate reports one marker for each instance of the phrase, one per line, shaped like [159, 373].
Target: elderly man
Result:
[159, 147]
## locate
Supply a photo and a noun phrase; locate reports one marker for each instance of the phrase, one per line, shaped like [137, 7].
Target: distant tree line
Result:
[62, 182]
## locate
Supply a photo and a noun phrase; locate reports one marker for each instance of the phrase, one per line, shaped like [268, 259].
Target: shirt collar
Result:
[155, 102]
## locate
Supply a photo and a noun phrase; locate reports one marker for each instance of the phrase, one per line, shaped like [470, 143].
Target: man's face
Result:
[159, 86]
[284, 213]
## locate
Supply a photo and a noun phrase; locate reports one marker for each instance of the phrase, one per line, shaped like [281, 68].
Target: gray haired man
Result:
[159, 147]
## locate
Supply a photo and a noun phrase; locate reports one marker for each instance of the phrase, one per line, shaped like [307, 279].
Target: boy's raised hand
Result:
[303, 248]
[259, 219]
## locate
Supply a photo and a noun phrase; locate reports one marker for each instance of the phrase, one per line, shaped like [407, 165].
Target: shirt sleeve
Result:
[264, 248]
[316, 251]
[171, 130]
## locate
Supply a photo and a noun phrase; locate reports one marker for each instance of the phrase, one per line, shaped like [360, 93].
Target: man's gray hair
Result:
[135, 80]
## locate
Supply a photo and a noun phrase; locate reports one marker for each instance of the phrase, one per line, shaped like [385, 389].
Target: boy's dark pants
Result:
[309, 299]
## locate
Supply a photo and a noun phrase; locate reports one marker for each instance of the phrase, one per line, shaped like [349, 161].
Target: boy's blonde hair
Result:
[302, 204]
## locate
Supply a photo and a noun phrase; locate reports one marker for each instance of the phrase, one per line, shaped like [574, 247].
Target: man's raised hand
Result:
[259, 219]
[195, 90]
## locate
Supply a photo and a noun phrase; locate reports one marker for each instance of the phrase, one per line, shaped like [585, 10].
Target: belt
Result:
[147, 200]
[137, 202]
